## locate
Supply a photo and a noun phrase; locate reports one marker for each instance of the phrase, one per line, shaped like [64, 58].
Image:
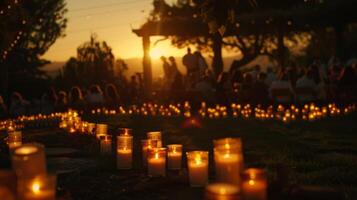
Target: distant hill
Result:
[135, 65]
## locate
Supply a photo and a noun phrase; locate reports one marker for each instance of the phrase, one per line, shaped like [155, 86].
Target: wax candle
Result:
[157, 162]
[146, 146]
[29, 160]
[124, 151]
[155, 135]
[39, 188]
[222, 191]
[14, 139]
[197, 162]
[101, 129]
[228, 160]
[106, 144]
[125, 131]
[174, 156]
[254, 184]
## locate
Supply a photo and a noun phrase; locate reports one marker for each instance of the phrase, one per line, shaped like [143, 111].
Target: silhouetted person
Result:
[111, 96]
[201, 64]
[62, 102]
[18, 105]
[255, 72]
[224, 88]
[76, 100]
[95, 96]
[270, 77]
[260, 94]
[133, 89]
[48, 101]
[3, 108]
[189, 61]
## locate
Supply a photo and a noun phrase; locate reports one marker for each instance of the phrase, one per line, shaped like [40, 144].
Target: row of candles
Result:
[232, 181]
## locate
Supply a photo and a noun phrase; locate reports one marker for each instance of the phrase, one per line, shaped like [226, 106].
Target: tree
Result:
[34, 25]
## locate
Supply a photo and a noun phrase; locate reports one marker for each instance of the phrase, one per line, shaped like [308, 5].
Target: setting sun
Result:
[156, 53]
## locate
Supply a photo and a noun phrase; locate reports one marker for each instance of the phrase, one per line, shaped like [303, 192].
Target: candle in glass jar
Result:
[124, 151]
[146, 146]
[101, 129]
[254, 184]
[174, 156]
[125, 131]
[222, 191]
[106, 144]
[155, 135]
[197, 162]
[228, 160]
[39, 188]
[14, 139]
[91, 128]
[29, 160]
[157, 162]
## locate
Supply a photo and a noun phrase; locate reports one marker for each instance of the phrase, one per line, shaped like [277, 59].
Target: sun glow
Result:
[156, 53]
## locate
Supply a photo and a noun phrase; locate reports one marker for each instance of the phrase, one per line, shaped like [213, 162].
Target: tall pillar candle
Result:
[124, 151]
[14, 139]
[197, 163]
[146, 146]
[228, 160]
[155, 135]
[254, 184]
[29, 160]
[221, 191]
[157, 162]
[174, 156]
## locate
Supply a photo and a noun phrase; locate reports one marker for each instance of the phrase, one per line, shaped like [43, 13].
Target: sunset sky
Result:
[112, 21]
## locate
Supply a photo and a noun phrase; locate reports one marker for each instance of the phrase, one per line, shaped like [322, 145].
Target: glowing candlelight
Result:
[125, 131]
[146, 146]
[157, 162]
[221, 191]
[124, 151]
[254, 184]
[174, 156]
[155, 135]
[29, 160]
[106, 144]
[101, 130]
[15, 139]
[228, 159]
[39, 188]
[197, 162]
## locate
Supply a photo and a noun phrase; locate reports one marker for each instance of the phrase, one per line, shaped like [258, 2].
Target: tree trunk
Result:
[147, 65]
[281, 48]
[217, 62]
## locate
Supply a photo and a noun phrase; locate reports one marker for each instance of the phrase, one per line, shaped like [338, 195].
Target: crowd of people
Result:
[333, 81]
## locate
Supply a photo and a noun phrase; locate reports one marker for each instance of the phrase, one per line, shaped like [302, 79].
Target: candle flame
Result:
[222, 190]
[251, 182]
[36, 187]
[198, 159]
[156, 155]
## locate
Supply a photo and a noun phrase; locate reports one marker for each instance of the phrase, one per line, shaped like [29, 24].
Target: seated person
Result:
[306, 87]
[281, 90]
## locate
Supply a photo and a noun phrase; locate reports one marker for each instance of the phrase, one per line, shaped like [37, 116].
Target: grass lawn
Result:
[322, 153]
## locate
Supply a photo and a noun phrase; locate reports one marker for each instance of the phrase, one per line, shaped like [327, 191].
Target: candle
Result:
[101, 129]
[15, 139]
[254, 184]
[124, 151]
[156, 135]
[174, 156]
[228, 160]
[125, 131]
[38, 188]
[157, 162]
[91, 128]
[197, 162]
[146, 146]
[29, 160]
[222, 191]
[106, 144]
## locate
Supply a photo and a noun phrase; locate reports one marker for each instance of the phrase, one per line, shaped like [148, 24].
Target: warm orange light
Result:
[156, 53]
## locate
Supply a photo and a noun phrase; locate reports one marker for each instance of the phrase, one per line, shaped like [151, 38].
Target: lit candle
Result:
[29, 160]
[228, 160]
[174, 156]
[156, 135]
[146, 146]
[124, 151]
[197, 162]
[15, 139]
[106, 144]
[125, 131]
[222, 191]
[254, 185]
[101, 129]
[157, 162]
[39, 188]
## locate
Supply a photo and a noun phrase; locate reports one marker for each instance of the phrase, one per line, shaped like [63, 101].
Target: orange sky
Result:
[112, 21]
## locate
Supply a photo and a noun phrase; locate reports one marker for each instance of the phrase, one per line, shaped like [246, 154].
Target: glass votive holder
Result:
[155, 135]
[101, 129]
[222, 191]
[228, 160]
[124, 151]
[91, 128]
[146, 146]
[29, 160]
[14, 139]
[174, 156]
[105, 144]
[197, 164]
[254, 184]
[125, 131]
[38, 188]
[157, 162]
